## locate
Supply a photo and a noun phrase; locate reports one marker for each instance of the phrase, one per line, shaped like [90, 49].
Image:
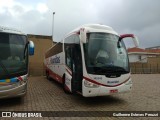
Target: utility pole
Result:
[53, 26]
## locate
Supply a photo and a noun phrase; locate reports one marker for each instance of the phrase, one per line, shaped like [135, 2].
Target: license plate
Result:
[114, 91]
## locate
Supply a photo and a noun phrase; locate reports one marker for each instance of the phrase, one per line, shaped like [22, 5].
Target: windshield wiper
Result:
[4, 68]
[111, 69]
[104, 70]
[118, 69]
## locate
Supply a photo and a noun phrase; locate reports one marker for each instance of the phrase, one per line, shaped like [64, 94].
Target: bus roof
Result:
[10, 30]
[94, 28]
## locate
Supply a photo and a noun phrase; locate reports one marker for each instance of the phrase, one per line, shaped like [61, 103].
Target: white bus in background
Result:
[91, 60]
[14, 51]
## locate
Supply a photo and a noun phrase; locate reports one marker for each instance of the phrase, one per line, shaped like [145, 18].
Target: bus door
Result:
[77, 75]
[68, 73]
[73, 60]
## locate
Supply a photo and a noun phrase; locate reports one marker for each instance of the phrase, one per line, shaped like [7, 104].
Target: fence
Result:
[145, 68]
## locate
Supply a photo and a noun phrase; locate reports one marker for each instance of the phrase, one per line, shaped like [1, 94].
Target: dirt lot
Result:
[44, 95]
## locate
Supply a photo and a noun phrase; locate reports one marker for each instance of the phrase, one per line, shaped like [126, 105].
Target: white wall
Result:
[136, 58]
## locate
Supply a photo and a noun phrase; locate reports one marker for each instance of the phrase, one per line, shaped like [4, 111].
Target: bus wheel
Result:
[47, 75]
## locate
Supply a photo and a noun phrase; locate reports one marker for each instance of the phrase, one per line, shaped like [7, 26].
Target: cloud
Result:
[42, 8]
[134, 16]
[23, 16]
[36, 17]
[71, 14]
[6, 3]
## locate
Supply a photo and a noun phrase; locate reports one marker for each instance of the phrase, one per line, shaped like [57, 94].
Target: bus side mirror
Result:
[31, 48]
[134, 38]
[83, 35]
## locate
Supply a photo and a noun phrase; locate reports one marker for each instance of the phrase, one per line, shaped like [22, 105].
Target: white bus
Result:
[14, 51]
[91, 60]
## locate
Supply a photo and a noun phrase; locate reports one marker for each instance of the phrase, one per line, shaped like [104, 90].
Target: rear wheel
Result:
[47, 75]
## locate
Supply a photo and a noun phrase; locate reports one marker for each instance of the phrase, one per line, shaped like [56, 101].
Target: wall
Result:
[152, 66]
[42, 43]
[136, 58]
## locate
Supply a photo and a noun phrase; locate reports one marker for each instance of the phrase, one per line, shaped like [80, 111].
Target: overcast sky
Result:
[141, 17]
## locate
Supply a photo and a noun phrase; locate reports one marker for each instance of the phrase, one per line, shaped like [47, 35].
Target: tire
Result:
[47, 75]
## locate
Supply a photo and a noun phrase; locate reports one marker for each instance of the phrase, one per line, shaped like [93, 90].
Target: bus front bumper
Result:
[16, 91]
[103, 90]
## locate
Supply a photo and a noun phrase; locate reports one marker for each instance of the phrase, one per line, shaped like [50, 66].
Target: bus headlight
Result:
[22, 79]
[22, 82]
[129, 82]
[90, 84]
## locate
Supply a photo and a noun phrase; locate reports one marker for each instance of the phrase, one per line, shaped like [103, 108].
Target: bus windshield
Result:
[105, 55]
[13, 55]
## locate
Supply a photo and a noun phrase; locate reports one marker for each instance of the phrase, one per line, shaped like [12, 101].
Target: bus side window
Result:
[69, 42]
[68, 57]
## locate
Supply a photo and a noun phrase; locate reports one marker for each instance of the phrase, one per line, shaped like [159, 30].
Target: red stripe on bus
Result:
[20, 78]
[69, 72]
[127, 35]
[55, 76]
[95, 82]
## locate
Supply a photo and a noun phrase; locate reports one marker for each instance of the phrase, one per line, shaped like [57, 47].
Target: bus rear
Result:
[14, 51]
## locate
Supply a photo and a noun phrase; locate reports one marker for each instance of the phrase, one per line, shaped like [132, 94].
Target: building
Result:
[144, 60]
[142, 55]
[155, 47]
[42, 43]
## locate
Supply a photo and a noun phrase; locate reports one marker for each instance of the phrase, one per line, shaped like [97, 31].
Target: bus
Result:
[14, 54]
[91, 60]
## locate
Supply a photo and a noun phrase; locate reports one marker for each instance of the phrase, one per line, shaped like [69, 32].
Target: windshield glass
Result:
[103, 56]
[13, 55]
